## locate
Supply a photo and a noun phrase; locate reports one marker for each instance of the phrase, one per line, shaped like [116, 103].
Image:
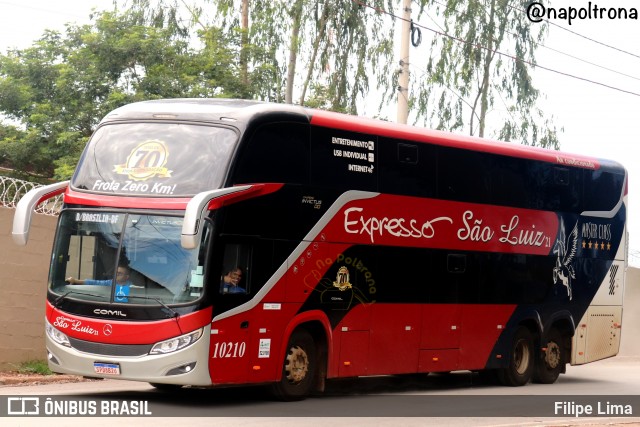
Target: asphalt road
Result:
[457, 399]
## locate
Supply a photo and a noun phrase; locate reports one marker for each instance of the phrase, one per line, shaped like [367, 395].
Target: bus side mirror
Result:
[195, 212]
[26, 205]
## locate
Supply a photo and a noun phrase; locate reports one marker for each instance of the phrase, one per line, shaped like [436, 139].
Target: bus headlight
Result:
[175, 344]
[56, 335]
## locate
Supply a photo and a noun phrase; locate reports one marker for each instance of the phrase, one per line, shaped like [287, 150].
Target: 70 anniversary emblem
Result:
[147, 160]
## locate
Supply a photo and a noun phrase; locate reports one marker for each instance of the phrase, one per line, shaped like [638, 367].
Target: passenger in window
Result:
[231, 282]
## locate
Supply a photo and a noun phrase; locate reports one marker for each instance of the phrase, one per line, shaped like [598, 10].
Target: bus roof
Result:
[418, 134]
[242, 111]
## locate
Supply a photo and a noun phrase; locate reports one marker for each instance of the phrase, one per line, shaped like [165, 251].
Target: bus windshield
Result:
[125, 258]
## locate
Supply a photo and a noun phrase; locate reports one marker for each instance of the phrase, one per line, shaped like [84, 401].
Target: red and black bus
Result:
[266, 243]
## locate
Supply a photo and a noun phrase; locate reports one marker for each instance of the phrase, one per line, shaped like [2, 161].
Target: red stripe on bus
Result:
[112, 331]
[103, 200]
[256, 190]
[119, 201]
[391, 220]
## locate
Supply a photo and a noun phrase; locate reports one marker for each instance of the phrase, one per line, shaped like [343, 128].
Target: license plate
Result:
[106, 368]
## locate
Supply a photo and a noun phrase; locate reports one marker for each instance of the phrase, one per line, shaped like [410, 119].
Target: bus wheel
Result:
[521, 360]
[299, 367]
[550, 363]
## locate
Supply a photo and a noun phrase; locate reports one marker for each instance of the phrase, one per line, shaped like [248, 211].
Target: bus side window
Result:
[406, 168]
[553, 187]
[602, 190]
[276, 152]
[456, 263]
[250, 263]
[236, 269]
[508, 183]
[464, 175]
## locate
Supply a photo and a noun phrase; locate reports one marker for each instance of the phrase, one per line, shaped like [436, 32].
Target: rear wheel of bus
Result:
[552, 359]
[298, 368]
[521, 360]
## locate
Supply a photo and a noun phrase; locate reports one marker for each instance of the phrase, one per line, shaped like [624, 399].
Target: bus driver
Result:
[122, 279]
[123, 284]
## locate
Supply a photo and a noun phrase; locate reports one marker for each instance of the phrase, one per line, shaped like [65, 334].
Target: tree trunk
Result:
[487, 69]
[244, 62]
[296, 15]
[322, 26]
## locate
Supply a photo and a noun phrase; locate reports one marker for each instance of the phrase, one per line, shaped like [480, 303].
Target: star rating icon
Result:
[596, 246]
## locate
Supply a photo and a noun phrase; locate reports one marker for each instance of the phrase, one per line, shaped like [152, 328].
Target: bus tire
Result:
[521, 360]
[298, 368]
[551, 361]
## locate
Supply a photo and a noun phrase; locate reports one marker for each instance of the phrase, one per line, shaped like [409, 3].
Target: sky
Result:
[598, 121]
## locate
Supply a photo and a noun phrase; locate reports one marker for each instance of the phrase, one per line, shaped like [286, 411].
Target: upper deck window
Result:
[155, 159]
[276, 152]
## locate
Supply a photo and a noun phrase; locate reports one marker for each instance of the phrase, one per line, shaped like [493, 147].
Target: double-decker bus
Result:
[226, 242]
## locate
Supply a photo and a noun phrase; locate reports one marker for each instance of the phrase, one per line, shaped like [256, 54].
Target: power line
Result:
[589, 62]
[581, 35]
[510, 56]
[559, 51]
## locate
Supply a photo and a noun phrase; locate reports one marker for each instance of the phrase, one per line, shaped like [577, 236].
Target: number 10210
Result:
[229, 349]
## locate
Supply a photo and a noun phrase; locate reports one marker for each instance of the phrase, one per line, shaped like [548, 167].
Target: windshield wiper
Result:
[172, 312]
[63, 296]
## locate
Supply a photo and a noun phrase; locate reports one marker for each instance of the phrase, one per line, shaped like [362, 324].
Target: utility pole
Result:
[403, 77]
[244, 49]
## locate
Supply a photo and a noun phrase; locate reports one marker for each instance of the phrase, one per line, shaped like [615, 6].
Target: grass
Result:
[38, 367]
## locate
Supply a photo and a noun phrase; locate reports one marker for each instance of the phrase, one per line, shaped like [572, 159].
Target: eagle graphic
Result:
[565, 248]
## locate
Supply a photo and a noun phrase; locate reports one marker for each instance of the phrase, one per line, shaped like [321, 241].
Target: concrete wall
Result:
[23, 282]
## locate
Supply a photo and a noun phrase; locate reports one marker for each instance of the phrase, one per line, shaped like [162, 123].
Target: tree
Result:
[467, 77]
[323, 53]
[330, 45]
[282, 50]
[58, 89]
[349, 54]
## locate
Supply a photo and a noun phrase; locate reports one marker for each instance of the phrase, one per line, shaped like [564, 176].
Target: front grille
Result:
[110, 349]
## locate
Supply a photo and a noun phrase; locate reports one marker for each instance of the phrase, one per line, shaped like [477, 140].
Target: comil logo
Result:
[109, 312]
[147, 160]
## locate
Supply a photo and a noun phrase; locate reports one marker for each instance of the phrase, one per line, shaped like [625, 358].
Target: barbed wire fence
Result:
[12, 189]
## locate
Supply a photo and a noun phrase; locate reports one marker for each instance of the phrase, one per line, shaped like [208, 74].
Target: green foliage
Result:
[470, 80]
[298, 46]
[57, 90]
[322, 53]
[38, 367]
